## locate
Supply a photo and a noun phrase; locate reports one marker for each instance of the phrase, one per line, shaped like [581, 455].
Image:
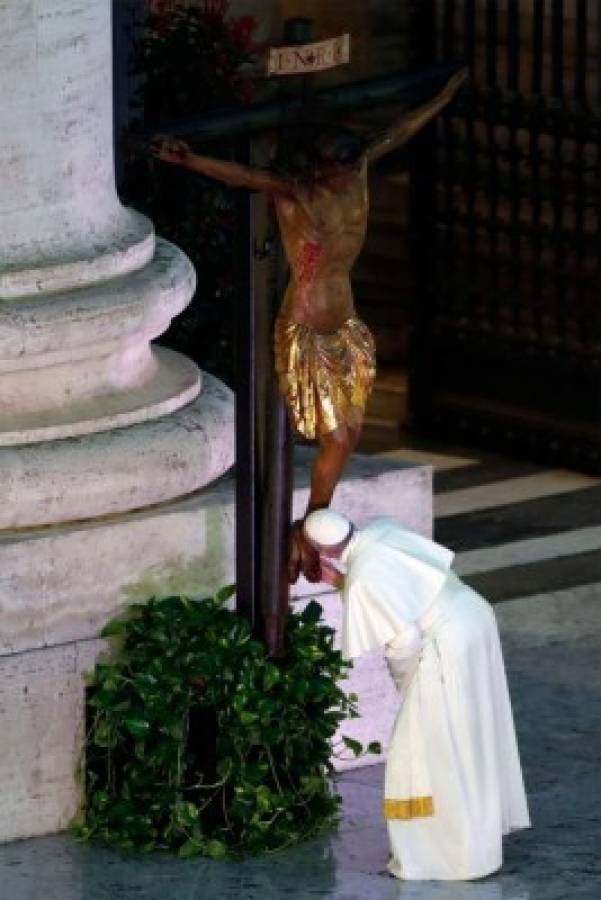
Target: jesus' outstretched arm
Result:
[234, 174]
[411, 122]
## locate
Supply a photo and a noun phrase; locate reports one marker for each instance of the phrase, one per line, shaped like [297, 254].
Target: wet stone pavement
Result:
[556, 693]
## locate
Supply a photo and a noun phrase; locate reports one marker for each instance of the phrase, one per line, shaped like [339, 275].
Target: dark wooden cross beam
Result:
[263, 486]
[383, 90]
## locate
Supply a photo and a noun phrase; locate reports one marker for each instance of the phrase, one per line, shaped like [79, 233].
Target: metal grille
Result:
[507, 244]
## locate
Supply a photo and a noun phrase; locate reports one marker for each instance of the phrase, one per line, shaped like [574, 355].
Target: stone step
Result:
[380, 436]
[391, 344]
[388, 402]
[380, 423]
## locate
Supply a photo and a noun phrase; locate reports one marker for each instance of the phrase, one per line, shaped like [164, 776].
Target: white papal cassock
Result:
[453, 783]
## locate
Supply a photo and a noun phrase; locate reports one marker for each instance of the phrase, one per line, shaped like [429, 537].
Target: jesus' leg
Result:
[335, 447]
[329, 464]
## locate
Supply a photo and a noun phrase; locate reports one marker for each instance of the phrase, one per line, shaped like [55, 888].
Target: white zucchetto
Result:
[326, 527]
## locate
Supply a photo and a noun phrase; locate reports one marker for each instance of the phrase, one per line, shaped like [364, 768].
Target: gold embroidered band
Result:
[413, 808]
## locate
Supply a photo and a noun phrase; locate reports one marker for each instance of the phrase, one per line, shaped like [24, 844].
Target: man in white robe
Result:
[453, 784]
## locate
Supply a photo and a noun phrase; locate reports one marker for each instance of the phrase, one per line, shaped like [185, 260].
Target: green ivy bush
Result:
[199, 743]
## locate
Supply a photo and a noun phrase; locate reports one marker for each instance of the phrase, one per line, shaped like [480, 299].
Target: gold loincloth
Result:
[326, 377]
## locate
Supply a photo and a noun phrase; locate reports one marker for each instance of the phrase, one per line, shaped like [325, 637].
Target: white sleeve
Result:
[406, 643]
[368, 619]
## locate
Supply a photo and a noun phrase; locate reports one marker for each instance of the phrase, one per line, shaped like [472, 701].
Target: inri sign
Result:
[306, 58]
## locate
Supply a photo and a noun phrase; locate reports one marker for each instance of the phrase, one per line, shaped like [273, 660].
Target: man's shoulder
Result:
[390, 537]
[382, 524]
[369, 542]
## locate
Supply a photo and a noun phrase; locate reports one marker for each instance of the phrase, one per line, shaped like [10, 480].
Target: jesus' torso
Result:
[323, 228]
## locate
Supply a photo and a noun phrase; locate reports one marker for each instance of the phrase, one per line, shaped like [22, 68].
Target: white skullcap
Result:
[326, 527]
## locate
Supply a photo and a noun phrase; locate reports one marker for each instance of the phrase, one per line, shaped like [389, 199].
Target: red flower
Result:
[162, 7]
[246, 91]
[216, 8]
[242, 30]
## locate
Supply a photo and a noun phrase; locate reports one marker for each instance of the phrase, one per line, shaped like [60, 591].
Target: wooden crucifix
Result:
[324, 355]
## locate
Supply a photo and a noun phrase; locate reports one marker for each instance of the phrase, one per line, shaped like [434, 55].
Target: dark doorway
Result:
[506, 349]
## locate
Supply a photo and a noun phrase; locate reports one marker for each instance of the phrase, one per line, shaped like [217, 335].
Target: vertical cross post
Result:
[248, 482]
[279, 449]
[277, 513]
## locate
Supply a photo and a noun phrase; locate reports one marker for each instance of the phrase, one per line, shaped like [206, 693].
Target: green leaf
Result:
[216, 849]
[375, 747]
[186, 814]
[271, 678]
[113, 628]
[192, 847]
[311, 784]
[354, 746]
[104, 735]
[312, 613]
[137, 727]
[224, 594]
[101, 799]
[264, 798]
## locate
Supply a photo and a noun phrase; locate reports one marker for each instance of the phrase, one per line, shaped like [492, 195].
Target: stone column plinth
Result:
[102, 435]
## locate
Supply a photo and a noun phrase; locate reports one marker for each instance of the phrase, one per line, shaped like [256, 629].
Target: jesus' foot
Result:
[302, 557]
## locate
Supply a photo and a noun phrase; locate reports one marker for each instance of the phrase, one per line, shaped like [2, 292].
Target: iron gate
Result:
[506, 348]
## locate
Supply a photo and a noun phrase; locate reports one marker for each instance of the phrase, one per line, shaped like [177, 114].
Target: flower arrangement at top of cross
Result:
[241, 28]
[216, 7]
[194, 56]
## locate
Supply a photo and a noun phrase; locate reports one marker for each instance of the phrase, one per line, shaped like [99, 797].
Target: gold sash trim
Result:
[413, 808]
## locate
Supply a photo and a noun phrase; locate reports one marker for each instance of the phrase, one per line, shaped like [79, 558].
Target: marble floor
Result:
[530, 540]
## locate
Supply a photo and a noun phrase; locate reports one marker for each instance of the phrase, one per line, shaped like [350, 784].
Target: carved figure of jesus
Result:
[324, 354]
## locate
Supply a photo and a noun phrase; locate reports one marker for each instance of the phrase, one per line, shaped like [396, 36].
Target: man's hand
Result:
[170, 150]
[331, 575]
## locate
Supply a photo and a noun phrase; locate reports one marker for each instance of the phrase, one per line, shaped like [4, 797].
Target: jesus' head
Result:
[316, 152]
